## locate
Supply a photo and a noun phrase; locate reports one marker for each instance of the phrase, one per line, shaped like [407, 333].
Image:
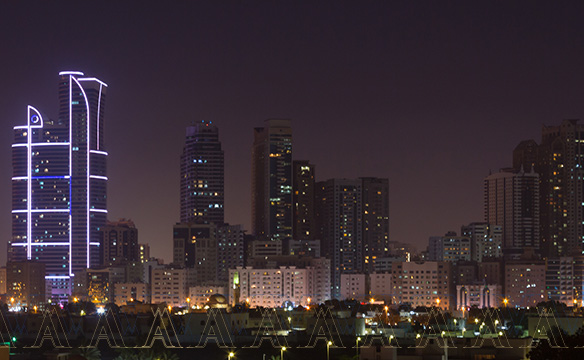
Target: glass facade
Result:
[59, 198]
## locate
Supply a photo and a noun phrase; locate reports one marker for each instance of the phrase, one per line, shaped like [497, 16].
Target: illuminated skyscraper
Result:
[59, 183]
[303, 201]
[202, 175]
[271, 181]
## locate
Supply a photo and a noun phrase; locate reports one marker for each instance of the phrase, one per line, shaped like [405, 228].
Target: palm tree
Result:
[89, 353]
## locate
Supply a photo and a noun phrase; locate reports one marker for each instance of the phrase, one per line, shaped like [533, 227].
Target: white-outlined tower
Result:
[59, 183]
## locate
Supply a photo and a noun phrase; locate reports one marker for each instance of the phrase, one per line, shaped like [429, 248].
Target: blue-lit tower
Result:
[59, 183]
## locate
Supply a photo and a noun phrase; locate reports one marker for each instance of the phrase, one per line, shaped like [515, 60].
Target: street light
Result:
[328, 345]
[282, 349]
[505, 301]
[357, 345]
[231, 354]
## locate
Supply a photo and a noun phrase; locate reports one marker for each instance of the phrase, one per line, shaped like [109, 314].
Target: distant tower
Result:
[202, 176]
[512, 201]
[272, 180]
[303, 201]
[339, 208]
[59, 183]
[375, 221]
[561, 168]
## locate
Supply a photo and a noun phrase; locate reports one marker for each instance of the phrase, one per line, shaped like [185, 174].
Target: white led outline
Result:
[20, 178]
[50, 144]
[98, 177]
[99, 210]
[29, 177]
[48, 277]
[20, 127]
[18, 145]
[67, 72]
[98, 108]
[87, 194]
[70, 171]
[99, 152]
[93, 79]
[42, 244]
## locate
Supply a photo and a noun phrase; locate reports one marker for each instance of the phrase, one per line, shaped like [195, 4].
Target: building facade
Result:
[339, 214]
[375, 221]
[271, 181]
[59, 183]
[119, 243]
[202, 175]
[512, 201]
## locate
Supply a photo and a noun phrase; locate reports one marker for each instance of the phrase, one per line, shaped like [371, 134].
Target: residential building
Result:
[119, 243]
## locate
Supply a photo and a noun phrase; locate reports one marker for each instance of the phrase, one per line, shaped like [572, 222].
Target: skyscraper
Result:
[512, 201]
[375, 221]
[560, 165]
[59, 183]
[339, 213]
[202, 175]
[303, 200]
[271, 180]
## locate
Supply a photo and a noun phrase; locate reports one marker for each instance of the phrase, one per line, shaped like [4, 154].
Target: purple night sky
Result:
[432, 95]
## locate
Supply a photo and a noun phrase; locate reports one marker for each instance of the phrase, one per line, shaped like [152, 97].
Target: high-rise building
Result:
[486, 240]
[303, 200]
[202, 175]
[271, 181]
[375, 221]
[512, 201]
[230, 251]
[339, 212]
[59, 183]
[560, 165]
[195, 246]
[119, 243]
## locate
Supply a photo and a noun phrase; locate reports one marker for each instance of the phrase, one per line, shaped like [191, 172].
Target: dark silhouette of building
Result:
[202, 175]
[119, 243]
[271, 180]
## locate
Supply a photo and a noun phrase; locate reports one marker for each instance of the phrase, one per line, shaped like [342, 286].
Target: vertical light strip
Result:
[70, 174]
[87, 195]
[29, 187]
[98, 108]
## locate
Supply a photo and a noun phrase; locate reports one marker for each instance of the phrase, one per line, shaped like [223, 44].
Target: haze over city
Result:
[430, 95]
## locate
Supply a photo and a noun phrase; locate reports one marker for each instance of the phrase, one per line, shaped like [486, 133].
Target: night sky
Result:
[430, 94]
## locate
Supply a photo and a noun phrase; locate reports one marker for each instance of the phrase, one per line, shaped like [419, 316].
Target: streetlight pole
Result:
[357, 345]
[328, 345]
[231, 354]
[282, 349]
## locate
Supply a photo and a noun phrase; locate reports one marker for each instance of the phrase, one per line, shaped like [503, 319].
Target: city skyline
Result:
[397, 103]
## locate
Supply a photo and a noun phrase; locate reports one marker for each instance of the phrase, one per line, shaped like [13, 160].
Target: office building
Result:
[202, 175]
[119, 243]
[59, 183]
[271, 181]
